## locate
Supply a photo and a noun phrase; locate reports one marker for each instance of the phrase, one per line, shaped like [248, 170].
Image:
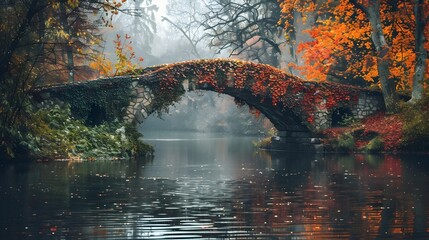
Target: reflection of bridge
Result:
[297, 108]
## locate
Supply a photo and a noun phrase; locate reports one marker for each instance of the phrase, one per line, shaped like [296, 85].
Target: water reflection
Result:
[218, 187]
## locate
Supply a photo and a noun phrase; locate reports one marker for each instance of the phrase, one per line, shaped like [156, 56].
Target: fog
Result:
[168, 31]
[155, 32]
[204, 111]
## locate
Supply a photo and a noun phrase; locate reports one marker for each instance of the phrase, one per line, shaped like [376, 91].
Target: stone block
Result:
[130, 110]
[144, 114]
[140, 90]
[185, 84]
[147, 109]
[360, 112]
[146, 102]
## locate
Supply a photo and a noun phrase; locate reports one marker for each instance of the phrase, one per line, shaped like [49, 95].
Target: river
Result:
[217, 186]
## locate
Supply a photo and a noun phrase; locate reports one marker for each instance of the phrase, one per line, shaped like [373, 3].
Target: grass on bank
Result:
[51, 132]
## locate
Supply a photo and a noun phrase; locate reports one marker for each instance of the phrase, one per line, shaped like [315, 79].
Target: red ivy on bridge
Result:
[262, 80]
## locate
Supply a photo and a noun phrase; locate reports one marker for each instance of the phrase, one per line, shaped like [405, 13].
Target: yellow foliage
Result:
[103, 65]
[124, 59]
[73, 3]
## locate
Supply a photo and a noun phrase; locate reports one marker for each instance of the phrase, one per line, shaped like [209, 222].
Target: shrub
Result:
[345, 142]
[135, 145]
[347, 121]
[375, 145]
[263, 143]
[51, 133]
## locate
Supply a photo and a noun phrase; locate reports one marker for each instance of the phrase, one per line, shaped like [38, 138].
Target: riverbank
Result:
[376, 133]
[50, 132]
[406, 131]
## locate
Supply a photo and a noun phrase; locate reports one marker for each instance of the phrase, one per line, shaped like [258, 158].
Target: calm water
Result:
[213, 186]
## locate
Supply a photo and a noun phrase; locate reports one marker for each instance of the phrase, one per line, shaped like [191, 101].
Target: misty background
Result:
[168, 31]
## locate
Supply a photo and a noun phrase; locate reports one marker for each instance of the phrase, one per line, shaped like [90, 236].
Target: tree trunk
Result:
[68, 48]
[388, 86]
[421, 54]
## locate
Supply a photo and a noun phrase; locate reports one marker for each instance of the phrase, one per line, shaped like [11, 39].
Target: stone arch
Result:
[283, 119]
[286, 115]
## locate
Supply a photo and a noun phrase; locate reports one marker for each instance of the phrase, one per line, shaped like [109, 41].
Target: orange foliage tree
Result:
[379, 41]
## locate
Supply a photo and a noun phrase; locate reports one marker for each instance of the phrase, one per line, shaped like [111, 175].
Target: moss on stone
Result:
[112, 98]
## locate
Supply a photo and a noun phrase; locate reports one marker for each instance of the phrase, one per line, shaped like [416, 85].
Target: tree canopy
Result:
[379, 41]
[247, 29]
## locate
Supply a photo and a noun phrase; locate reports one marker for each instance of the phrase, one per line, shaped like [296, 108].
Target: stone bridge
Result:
[298, 109]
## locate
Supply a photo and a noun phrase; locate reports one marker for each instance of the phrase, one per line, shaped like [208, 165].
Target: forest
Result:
[376, 44]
